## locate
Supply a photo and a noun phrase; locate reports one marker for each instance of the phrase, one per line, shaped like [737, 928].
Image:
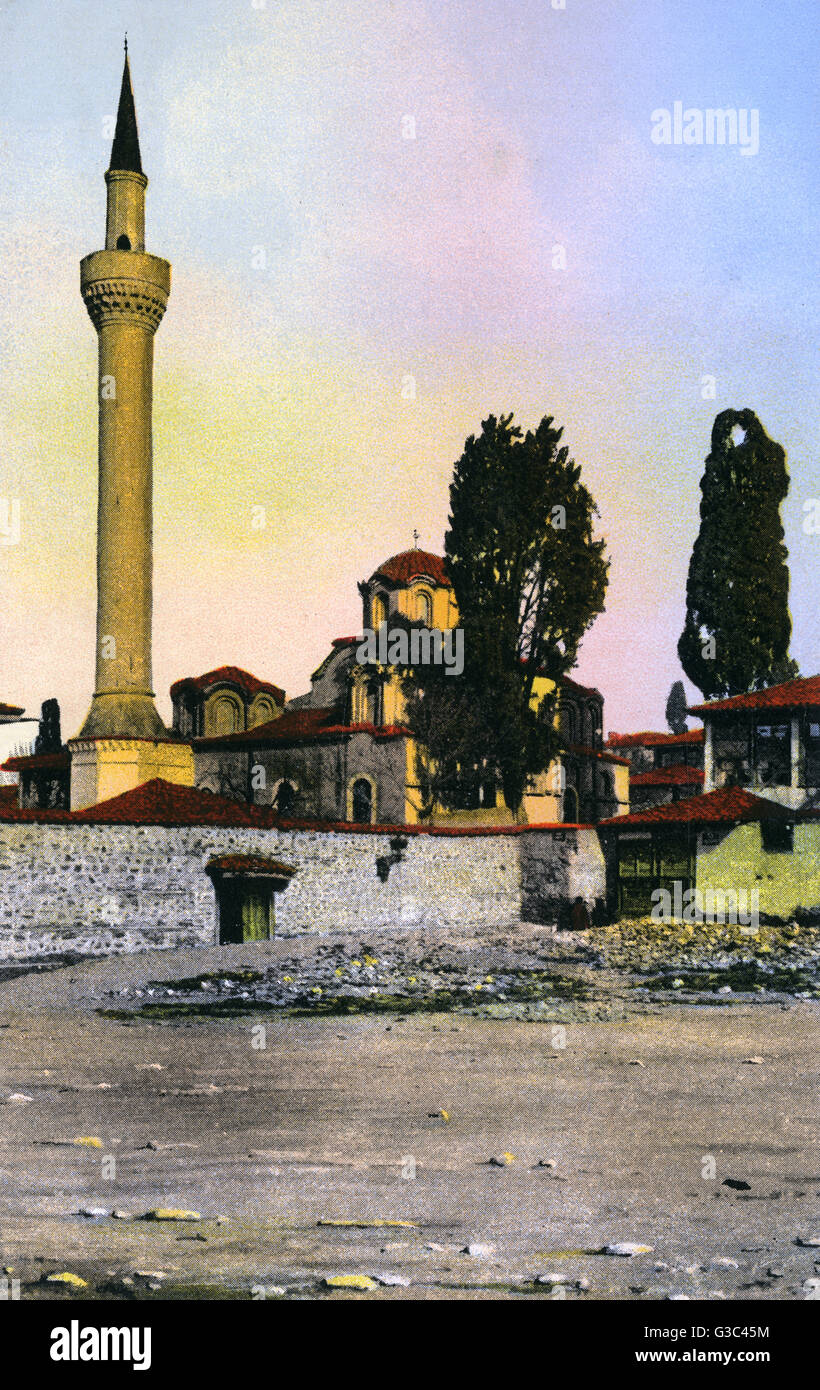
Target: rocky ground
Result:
[492, 1117]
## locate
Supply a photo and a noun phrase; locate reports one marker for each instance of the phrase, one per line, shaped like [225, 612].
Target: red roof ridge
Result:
[650, 737]
[25, 762]
[229, 675]
[306, 722]
[568, 682]
[248, 864]
[794, 694]
[158, 802]
[678, 775]
[723, 806]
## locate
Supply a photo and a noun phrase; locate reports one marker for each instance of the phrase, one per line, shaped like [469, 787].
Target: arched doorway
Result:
[285, 798]
[362, 801]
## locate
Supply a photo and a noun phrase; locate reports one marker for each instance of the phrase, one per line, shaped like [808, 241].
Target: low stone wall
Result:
[96, 889]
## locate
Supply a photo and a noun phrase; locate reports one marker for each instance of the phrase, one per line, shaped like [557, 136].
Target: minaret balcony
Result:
[125, 286]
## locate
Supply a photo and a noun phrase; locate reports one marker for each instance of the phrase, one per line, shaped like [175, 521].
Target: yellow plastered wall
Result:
[412, 799]
[621, 776]
[441, 601]
[394, 702]
[784, 881]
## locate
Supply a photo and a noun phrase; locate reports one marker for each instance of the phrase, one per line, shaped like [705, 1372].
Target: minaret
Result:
[125, 292]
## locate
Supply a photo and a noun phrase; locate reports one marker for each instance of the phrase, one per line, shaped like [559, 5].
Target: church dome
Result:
[414, 564]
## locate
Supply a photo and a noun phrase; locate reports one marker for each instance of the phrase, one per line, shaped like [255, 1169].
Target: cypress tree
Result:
[676, 709]
[737, 629]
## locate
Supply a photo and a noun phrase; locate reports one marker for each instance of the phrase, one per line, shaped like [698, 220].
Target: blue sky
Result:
[279, 376]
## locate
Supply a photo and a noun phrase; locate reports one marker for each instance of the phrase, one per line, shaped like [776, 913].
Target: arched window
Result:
[226, 715]
[570, 806]
[588, 736]
[373, 702]
[123, 243]
[424, 607]
[378, 611]
[362, 801]
[262, 711]
[569, 722]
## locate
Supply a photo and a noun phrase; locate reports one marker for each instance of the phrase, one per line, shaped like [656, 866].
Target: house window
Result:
[811, 770]
[773, 755]
[777, 836]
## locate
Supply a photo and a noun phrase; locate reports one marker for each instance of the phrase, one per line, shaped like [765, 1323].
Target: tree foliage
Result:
[676, 707]
[737, 629]
[529, 579]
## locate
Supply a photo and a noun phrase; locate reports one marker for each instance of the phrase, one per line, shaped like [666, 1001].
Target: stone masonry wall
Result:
[97, 889]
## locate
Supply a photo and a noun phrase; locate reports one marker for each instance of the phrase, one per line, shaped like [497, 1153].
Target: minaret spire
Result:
[125, 151]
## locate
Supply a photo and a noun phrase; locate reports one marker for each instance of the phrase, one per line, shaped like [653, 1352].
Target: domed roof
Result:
[414, 564]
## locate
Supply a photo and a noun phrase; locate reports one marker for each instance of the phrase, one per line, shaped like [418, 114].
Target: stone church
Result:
[343, 752]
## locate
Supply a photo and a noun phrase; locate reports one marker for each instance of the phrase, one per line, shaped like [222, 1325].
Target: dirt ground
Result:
[338, 1119]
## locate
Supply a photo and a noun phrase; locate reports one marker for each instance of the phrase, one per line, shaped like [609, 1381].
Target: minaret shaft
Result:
[124, 515]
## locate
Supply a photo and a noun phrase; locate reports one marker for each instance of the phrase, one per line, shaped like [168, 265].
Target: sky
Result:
[387, 221]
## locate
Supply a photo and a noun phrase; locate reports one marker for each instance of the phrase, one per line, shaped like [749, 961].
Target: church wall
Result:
[98, 889]
[321, 772]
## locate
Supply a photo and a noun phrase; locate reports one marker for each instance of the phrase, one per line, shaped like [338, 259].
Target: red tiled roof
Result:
[249, 864]
[651, 738]
[678, 776]
[790, 695]
[602, 754]
[229, 675]
[165, 803]
[412, 564]
[568, 684]
[11, 709]
[39, 762]
[299, 725]
[725, 806]
[304, 722]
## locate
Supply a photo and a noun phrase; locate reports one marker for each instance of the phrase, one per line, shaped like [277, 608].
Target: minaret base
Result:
[119, 715]
[106, 767]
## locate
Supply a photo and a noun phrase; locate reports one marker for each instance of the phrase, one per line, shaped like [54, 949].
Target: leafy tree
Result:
[676, 706]
[453, 747]
[737, 629]
[529, 580]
